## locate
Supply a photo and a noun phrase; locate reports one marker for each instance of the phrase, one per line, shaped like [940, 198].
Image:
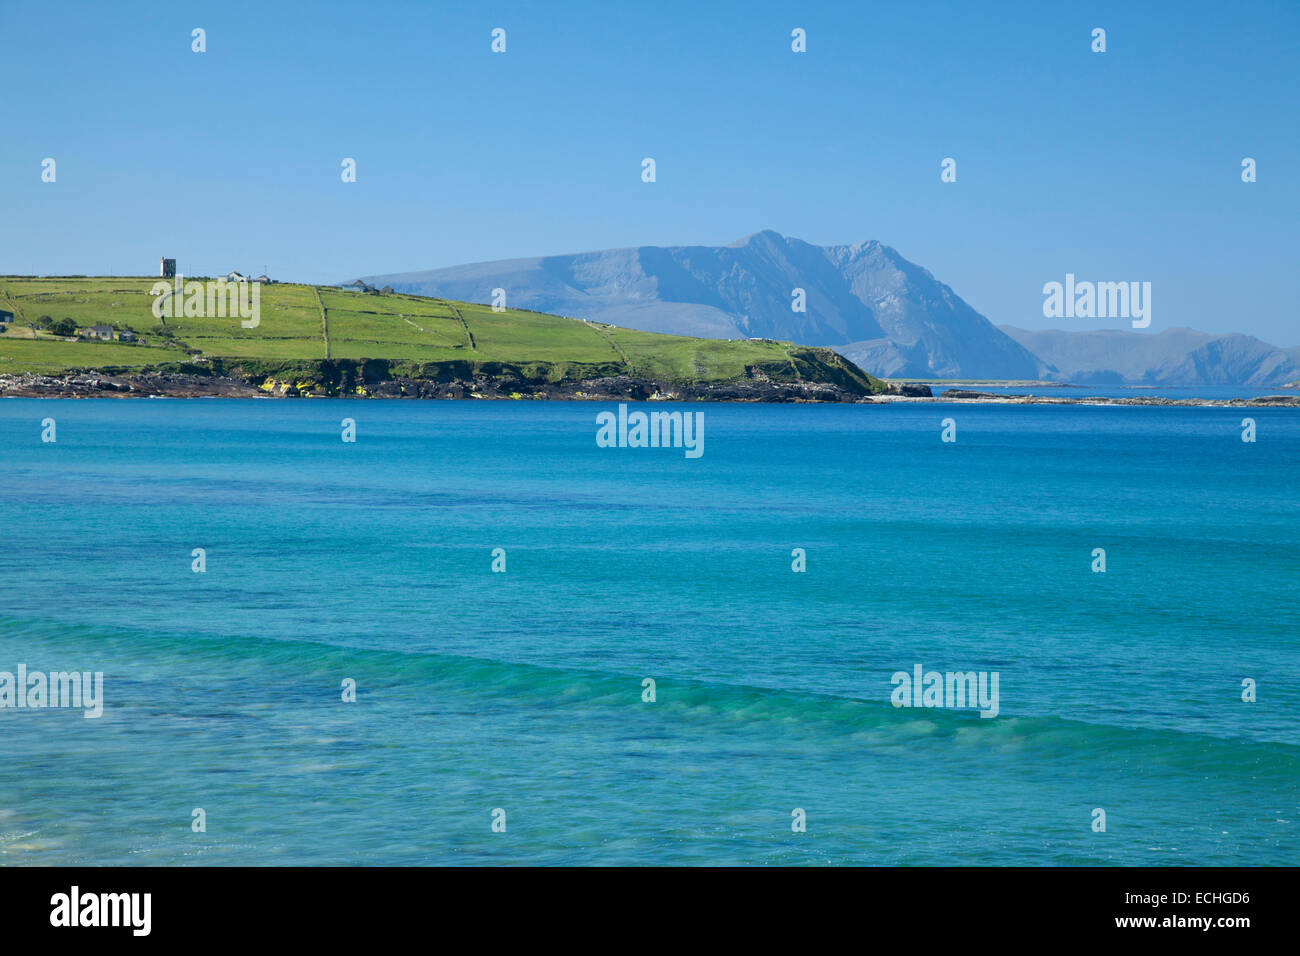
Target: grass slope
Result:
[306, 328]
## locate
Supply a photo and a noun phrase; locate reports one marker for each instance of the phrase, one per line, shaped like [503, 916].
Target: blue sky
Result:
[1117, 166]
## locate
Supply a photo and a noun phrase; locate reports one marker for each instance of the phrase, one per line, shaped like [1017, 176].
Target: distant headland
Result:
[242, 337]
[238, 336]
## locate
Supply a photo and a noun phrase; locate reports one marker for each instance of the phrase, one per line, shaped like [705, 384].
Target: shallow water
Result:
[523, 690]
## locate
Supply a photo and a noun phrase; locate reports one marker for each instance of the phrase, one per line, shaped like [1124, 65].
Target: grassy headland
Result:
[320, 340]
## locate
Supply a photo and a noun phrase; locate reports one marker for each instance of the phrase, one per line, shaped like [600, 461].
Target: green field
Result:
[302, 326]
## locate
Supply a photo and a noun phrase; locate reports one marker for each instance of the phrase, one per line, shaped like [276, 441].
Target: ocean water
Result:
[522, 690]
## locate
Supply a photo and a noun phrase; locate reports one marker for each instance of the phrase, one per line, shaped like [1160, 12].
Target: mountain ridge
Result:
[1172, 357]
[889, 316]
[863, 299]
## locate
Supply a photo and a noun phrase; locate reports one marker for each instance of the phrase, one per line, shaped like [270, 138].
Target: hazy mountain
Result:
[1172, 357]
[889, 316]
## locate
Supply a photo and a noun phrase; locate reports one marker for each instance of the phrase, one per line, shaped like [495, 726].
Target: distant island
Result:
[887, 315]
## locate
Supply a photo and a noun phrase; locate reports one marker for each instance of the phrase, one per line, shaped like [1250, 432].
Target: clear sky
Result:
[1117, 166]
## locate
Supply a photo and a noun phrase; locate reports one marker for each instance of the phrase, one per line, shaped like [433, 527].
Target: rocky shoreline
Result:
[92, 384]
[99, 385]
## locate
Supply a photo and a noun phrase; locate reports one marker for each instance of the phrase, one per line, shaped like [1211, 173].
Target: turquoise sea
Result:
[372, 561]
